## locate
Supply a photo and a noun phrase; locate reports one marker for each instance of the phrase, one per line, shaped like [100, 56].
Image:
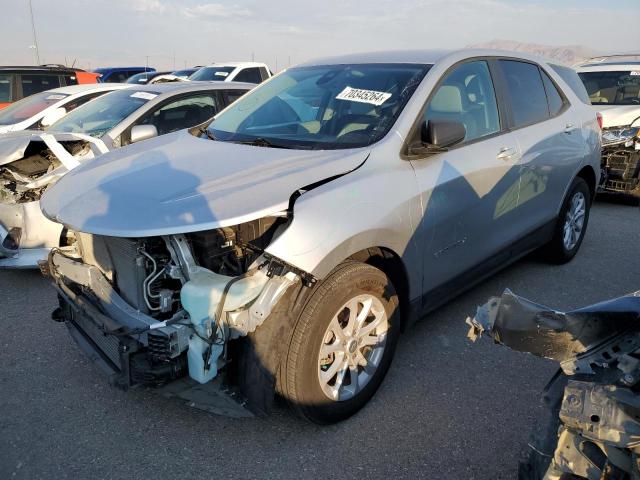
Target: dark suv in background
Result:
[19, 82]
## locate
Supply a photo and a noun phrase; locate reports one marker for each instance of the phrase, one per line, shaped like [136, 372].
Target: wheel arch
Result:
[391, 264]
[589, 175]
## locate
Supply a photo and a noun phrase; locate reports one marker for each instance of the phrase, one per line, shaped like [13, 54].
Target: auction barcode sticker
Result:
[363, 96]
[144, 95]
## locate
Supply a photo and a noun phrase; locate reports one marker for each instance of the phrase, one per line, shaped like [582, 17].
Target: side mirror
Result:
[443, 133]
[143, 132]
[53, 116]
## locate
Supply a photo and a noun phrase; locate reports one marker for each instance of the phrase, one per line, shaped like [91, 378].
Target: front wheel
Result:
[571, 224]
[342, 344]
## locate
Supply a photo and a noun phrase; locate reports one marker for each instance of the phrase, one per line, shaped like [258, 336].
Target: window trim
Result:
[511, 123]
[496, 79]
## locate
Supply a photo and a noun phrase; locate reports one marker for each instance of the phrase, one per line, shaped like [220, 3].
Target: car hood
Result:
[618, 115]
[180, 183]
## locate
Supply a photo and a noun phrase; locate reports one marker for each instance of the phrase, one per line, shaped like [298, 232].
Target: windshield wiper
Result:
[207, 132]
[263, 142]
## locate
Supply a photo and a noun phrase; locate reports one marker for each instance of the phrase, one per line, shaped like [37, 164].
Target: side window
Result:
[118, 77]
[526, 92]
[466, 95]
[6, 93]
[70, 79]
[38, 83]
[264, 74]
[554, 99]
[182, 113]
[232, 95]
[249, 75]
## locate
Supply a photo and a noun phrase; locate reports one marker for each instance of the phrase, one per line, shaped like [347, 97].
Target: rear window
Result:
[37, 83]
[526, 92]
[5, 88]
[249, 75]
[572, 79]
[28, 107]
[612, 88]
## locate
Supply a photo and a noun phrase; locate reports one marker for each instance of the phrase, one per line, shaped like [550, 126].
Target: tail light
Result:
[599, 118]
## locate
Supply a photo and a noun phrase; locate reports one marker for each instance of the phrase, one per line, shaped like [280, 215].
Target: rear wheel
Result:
[342, 344]
[571, 224]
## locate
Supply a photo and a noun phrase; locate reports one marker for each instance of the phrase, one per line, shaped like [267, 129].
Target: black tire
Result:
[299, 383]
[555, 251]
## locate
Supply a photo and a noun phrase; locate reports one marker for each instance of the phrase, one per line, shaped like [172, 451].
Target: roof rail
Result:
[602, 58]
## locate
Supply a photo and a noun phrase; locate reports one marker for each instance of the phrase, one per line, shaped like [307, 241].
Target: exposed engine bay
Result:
[621, 161]
[25, 179]
[158, 309]
[593, 403]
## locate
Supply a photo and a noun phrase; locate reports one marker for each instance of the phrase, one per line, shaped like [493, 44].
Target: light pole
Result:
[35, 39]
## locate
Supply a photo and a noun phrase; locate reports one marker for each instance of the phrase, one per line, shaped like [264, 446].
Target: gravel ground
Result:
[447, 409]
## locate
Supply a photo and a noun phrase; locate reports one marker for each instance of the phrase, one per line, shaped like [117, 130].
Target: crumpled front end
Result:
[30, 164]
[621, 160]
[595, 401]
[164, 311]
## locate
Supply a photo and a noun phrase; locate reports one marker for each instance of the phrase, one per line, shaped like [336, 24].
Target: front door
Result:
[470, 192]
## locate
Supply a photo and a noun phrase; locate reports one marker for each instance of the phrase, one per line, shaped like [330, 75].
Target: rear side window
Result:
[5, 88]
[249, 75]
[232, 95]
[70, 79]
[526, 92]
[572, 79]
[38, 83]
[554, 99]
[466, 95]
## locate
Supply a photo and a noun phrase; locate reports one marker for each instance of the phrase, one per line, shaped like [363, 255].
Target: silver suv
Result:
[283, 247]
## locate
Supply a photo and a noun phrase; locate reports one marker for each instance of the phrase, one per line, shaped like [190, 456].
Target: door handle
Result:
[568, 128]
[505, 153]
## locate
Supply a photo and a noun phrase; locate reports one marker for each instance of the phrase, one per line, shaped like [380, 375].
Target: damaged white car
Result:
[31, 161]
[613, 86]
[283, 247]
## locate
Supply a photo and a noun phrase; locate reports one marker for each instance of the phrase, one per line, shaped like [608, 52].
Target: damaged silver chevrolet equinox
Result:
[283, 247]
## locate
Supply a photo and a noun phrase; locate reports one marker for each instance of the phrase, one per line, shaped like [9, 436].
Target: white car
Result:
[613, 86]
[248, 72]
[45, 108]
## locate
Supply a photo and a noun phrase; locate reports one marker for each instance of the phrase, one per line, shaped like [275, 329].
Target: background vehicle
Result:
[45, 108]
[288, 242]
[20, 82]
[31, 161]
[250, 72]
[144, 77]
[177, 76]
[119, 74]
[613, 86]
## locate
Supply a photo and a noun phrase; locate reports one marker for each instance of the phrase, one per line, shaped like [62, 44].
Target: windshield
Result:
[139, 78]
[612, 88]
[28, 107]
[102, 114]
[184, 73]
[321, 107]
[212, 74]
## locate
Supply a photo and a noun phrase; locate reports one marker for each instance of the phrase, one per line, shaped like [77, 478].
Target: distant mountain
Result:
[568, 54]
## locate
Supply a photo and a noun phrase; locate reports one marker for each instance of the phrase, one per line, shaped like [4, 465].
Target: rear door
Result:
[469, 192]
[548, 135]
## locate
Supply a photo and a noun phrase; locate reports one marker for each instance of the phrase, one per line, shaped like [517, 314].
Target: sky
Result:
[97, 33]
